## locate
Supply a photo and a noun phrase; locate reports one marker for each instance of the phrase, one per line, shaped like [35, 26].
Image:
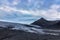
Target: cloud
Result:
[8, 3]
[50, 14]
[11, 9]
[15, 2]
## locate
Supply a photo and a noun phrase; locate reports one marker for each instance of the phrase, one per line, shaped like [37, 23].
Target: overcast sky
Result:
[28, 11]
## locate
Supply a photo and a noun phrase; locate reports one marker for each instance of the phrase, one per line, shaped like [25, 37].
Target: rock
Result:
[47, 24]
[7, 33]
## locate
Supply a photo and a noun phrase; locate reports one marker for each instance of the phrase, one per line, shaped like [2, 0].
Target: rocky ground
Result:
[25, 31]
[7, 34]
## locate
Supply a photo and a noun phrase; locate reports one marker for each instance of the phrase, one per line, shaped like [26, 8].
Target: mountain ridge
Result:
[45, 23]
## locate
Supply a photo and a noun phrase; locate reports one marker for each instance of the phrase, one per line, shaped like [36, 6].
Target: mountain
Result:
[47, 24]
[17, 31]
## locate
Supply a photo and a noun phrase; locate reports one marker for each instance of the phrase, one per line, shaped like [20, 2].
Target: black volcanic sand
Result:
[6, 34]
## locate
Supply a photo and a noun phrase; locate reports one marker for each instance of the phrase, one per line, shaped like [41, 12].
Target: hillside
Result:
[17, 31]
[47, 24]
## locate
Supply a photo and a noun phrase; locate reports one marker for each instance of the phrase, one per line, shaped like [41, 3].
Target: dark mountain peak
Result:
[40, 22]
[45, 23]
[42, 19]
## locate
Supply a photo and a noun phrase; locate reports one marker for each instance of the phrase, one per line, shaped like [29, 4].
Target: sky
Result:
[28, 11]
